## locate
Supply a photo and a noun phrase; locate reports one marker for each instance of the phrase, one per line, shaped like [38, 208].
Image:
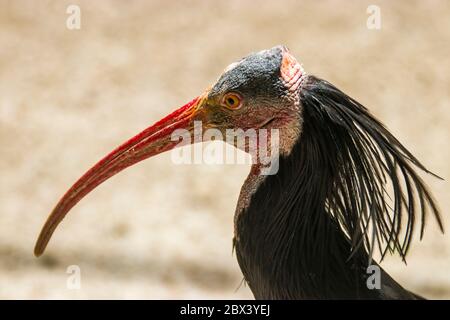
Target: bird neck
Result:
[287, 245]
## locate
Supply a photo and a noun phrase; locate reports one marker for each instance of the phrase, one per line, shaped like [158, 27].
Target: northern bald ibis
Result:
[344, 186]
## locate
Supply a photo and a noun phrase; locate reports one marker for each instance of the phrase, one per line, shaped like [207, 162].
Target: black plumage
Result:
[310, 230]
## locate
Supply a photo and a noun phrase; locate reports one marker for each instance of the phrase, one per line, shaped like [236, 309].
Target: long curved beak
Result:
[152, 141]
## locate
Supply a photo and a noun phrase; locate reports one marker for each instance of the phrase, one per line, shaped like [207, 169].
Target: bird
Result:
[344, 186]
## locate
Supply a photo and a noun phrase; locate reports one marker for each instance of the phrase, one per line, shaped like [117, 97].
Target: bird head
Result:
[257, 92]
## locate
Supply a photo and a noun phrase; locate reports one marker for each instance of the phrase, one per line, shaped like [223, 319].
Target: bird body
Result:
[307, 230]
[289, 247]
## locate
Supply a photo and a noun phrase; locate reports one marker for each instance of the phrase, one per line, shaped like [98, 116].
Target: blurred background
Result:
[159, 230]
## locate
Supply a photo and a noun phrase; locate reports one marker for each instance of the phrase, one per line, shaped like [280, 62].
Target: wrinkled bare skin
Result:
[161, 230]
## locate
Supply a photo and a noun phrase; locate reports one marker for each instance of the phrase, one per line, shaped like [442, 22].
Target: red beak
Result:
[152, 141]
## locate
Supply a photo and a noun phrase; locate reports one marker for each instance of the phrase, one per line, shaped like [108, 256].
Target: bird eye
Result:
[232, 101]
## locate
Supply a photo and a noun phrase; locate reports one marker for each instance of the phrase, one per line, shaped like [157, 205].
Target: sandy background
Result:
[159, 230]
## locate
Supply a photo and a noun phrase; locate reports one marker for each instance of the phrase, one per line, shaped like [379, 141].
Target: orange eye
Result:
[232, 100]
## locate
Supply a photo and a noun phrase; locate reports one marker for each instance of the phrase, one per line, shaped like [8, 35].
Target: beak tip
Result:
[39, 249]
[37, 252]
